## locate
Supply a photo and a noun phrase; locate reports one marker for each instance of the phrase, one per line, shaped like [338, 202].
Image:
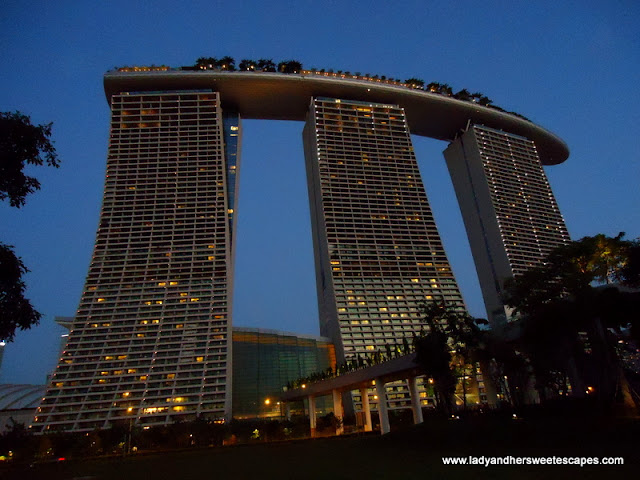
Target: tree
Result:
[453, 334]
[441, 88]
[433, 355]
[463, 95]
[246, 64]
[290, 66]
[266, 65]
[227, 63]
[415, 82]
[21, 144]
[629, 273]
[561, 297]
[206, 62]
[15, 310]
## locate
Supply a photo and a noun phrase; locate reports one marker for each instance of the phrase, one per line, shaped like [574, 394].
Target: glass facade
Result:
[264, 361]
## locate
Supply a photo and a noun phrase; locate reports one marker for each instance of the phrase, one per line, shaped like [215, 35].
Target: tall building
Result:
[377, 250]
[151, 340]
[510, 214]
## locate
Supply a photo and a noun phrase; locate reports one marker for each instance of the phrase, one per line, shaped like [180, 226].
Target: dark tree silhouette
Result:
[246, 64]
[21, 144]
[290, 66]
[266, 65]
[453, 336]
[15, 310]
[227, 63]
[415, 82]
[560, 298]
[206, 62]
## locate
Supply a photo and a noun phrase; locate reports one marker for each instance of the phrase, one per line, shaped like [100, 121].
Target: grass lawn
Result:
[414, 453]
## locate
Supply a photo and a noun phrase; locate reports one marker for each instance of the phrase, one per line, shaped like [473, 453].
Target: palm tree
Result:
[559, 296]
[415, 82]
[247, 65]
[266, 65]
[289, 66]
[463, 95]
[206, 62]
[227, 63]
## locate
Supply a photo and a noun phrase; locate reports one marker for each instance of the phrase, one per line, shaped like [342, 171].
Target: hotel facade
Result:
[151, 342]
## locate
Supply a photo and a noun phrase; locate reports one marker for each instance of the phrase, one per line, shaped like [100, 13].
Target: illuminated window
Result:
[199, 359]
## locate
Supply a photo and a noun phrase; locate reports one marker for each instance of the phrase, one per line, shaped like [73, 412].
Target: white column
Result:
[312, 415]
[364, 397]
[338, 410]
[383, 412]
[415, 400]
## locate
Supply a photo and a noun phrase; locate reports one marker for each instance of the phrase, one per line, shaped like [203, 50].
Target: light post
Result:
[128, 443]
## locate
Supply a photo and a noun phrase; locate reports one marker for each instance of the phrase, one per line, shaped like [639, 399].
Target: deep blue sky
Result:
[572, 67]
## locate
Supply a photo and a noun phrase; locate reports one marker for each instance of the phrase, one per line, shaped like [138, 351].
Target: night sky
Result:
[572, 67]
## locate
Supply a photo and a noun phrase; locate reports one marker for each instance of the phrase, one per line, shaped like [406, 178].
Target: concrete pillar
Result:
[383, 412]
[312, 415]
[338, 411]
[364, 397]
[415, 400]
[489, 386]
[287, 411]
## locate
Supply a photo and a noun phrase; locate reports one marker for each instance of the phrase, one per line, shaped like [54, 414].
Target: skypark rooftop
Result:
[286, 96]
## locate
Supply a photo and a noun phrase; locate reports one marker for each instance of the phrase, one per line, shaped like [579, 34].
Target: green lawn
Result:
[415, 453]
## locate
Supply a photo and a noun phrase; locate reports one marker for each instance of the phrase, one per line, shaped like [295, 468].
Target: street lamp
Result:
[128, 445]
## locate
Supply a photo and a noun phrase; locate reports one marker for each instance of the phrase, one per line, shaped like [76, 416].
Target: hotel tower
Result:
[151, 341]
